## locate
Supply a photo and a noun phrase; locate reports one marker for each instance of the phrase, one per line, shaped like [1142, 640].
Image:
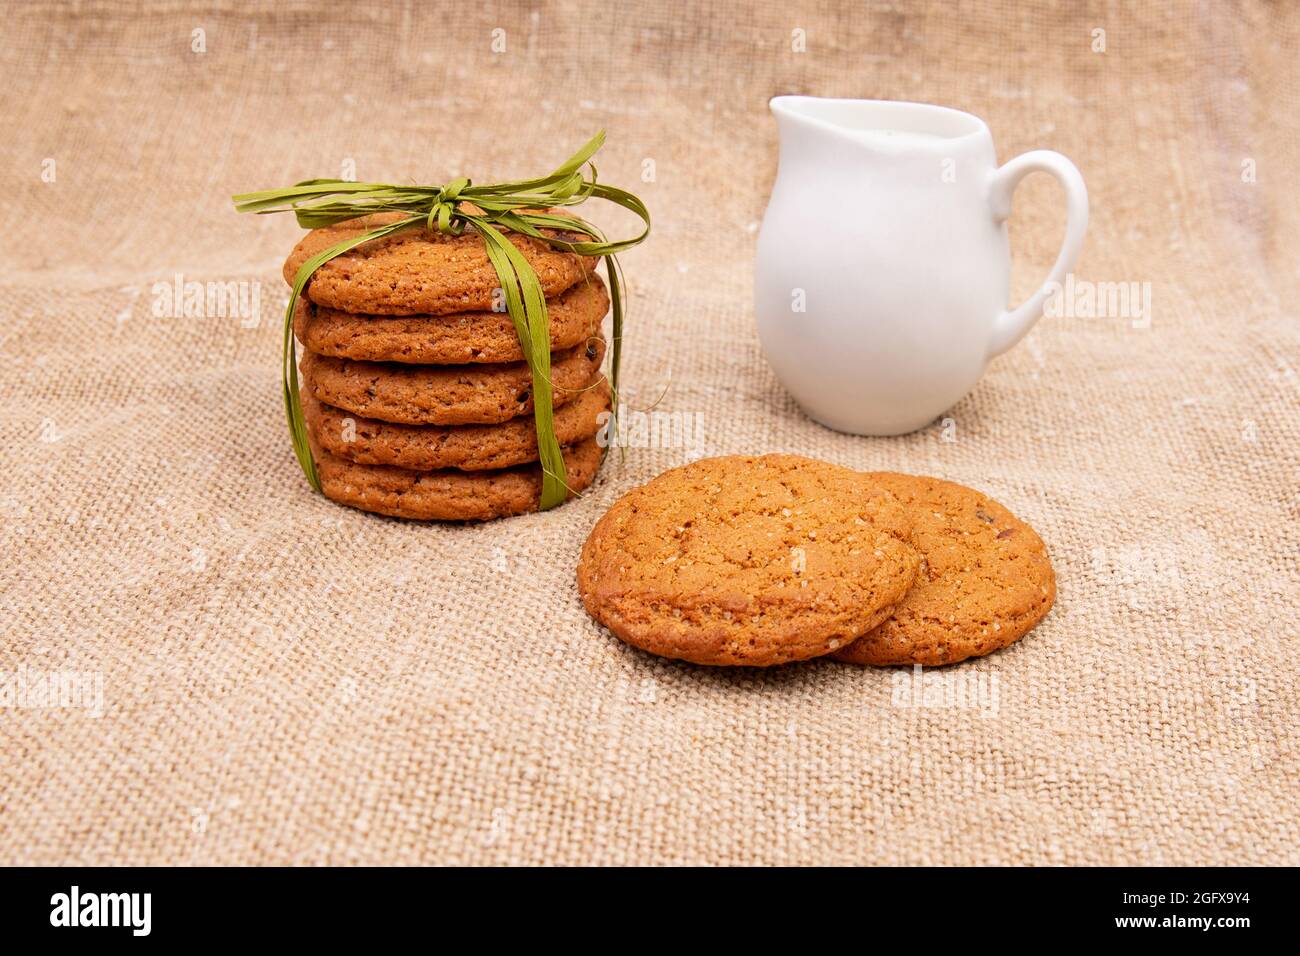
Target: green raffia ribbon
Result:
[324, 202]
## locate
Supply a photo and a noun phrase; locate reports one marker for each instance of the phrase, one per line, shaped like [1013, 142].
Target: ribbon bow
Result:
[510, 206]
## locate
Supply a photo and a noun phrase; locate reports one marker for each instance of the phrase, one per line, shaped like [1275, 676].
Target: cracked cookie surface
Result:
[985, 578]
[461, 337]
[445, 394]
[748, 560]
[449, 494]
[421, 271]
[369, 441]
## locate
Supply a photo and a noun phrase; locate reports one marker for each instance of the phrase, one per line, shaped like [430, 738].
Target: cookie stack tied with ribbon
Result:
[772, 559]
[417, 396]
[453, 340]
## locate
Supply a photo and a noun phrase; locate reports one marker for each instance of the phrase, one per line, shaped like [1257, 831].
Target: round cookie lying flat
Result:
[448, 495]
[753, 561]
[455, 339]
[445, 394]
[985, 579]
[369, 441]
[422, 272]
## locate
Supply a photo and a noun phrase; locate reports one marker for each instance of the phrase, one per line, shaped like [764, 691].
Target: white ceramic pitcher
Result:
[881, 283]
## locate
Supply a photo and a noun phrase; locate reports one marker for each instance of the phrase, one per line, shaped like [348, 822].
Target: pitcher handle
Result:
[1010, 327]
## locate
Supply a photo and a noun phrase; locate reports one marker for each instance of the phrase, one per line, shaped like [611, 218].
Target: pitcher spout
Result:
[871, 124]
[799, 128]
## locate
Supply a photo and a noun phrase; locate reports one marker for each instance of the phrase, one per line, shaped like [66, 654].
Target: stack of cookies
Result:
[416, 395]
[766, 560]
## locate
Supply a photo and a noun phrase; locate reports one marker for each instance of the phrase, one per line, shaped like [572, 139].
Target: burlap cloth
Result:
[289, 681]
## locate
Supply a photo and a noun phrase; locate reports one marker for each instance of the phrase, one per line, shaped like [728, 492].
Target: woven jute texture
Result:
[270, 678]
